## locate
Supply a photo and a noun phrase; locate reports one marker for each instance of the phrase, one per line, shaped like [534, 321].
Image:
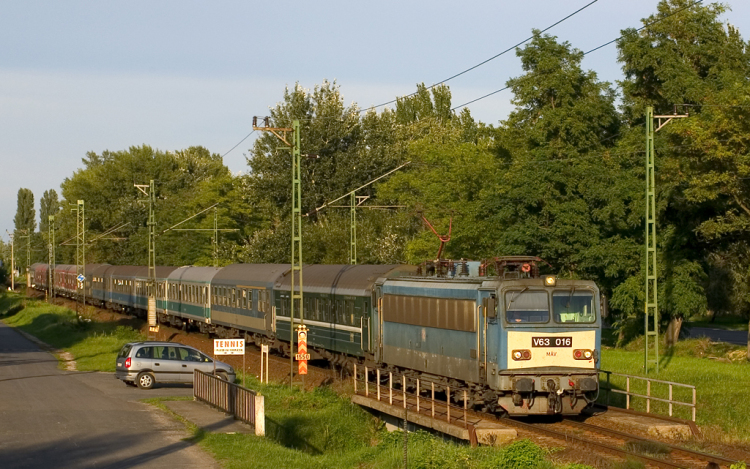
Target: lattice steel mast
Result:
[651, 320]
[296, 273]
[148, 190]
[51, 258]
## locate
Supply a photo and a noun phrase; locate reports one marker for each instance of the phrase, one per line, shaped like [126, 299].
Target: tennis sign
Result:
[229, 346]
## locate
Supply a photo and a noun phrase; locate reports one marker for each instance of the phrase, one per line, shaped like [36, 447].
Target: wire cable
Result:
[238, 144]
[486, 60]
[590, 51]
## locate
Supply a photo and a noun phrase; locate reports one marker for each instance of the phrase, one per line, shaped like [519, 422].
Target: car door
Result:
[167, 365]
[189, 361]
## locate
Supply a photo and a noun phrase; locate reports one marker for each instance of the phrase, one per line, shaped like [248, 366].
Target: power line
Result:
[592, 50]
[238, 144]
[487, 60]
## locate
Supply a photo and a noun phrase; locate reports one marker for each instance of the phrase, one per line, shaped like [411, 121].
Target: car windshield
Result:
[573, 306]
[524, 306]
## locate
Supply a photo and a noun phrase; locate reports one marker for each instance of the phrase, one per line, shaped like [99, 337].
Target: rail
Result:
[244, 404]
[648, 396]
[436, 408]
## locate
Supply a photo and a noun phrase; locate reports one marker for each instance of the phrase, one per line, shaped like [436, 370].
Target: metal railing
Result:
[648, 396]
[435, 408]
[244, 404]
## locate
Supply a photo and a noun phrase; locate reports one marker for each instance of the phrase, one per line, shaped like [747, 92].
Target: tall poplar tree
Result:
[49, 205]
[25, 220]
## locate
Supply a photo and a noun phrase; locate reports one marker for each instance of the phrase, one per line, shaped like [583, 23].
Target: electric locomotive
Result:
[517, 342]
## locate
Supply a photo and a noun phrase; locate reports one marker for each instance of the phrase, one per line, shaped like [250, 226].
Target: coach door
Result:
[487, 313]
[377, 308]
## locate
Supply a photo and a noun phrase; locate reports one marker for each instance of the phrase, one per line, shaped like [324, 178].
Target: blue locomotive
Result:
[519, 343]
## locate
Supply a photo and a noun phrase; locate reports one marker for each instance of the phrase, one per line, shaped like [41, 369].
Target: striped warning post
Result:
[302, 355]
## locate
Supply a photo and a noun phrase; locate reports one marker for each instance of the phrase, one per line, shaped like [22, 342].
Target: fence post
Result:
[378, 383]
[260, 416]
[466, 422]
[418, 389]
[448, 403]
[627, 389]
[648, 396]
[670, 400]
[432, 401]
[694, 396]
[390, 387]
[367, 383]
[403, 388]
[355, 378]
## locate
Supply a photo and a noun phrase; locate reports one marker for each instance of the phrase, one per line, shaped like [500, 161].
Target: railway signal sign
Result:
[302, 356]
[81, 278]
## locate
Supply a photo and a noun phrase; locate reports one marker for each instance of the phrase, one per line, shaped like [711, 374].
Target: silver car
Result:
[143, 364]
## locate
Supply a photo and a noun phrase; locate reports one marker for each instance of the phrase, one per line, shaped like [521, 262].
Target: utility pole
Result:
[215, 229]
[354, 202]
[216, 239]
[80, 255]
[28, 256]
[148, 190]
[651, 321]
[12, 261]
[296, 274]
[51, 258]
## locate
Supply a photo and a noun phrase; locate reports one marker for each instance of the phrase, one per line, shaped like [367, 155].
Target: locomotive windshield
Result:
[573, 306]
[526, 306]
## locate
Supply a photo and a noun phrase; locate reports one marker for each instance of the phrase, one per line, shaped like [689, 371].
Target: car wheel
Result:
[222, 376]
[145, 380]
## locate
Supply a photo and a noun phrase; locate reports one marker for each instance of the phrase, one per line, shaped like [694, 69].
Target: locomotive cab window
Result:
[526, 306]
[573, 306]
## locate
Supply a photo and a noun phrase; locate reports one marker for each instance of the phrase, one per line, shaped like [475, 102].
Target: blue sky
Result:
[80, 76]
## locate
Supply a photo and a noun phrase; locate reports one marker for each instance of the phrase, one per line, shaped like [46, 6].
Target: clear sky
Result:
[80, 76]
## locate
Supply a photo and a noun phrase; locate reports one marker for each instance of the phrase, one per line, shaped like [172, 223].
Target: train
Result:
[518, 342]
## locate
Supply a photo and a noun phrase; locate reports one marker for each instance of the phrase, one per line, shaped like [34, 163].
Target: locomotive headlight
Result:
[587, 354]
[550, 281]
[521, 354]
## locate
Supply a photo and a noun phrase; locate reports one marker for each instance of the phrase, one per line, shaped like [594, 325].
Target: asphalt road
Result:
[51, 418]
[720, 335]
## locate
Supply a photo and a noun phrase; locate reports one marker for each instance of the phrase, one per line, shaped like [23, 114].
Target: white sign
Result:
[229, 346]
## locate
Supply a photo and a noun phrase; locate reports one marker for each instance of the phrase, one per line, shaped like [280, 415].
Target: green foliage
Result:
[562, 177]
[186, 182]
[49, 205]
[25, 221]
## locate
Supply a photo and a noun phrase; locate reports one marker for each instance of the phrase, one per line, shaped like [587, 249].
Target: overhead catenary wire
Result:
[487, 60]
[238, 144]
[590, 51]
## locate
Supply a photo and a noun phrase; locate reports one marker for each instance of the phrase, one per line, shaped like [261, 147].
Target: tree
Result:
[106, 185]
[49, 205]
[565, 192]
[693, 58]
[25, 214]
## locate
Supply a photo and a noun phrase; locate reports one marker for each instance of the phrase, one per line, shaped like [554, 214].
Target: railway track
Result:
[602, 439]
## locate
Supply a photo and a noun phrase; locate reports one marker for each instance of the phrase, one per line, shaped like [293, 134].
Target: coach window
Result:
[524, 306]
[573, 306]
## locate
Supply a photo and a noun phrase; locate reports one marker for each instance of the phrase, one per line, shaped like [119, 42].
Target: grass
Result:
[320, 429]
[723, 400]
[94, 345]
